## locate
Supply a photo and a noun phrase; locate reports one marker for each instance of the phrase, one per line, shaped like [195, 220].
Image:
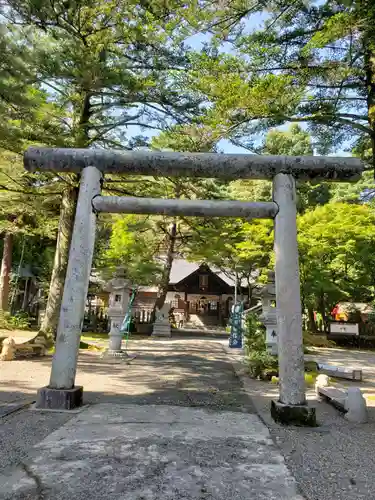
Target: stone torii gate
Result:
[92, 164]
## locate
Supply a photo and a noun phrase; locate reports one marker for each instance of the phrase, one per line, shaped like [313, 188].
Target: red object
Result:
[335, 311]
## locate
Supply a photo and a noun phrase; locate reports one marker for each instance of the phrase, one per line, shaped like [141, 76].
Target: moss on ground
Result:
[310, 378]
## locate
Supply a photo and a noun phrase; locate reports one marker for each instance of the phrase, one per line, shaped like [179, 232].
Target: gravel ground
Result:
[333, 461]
[22, 430]
[191, 373]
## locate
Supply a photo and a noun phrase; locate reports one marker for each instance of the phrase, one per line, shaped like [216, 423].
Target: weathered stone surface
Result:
[334, 395]
[288, 299]
[224, 166]
[300, 415]
[193, 208]
[161, 326]
[59, 399]
[321, 381]
[128, 452]
[355, 405]
[341, 372]
[64, 363]
[8, 350]
[268, 316]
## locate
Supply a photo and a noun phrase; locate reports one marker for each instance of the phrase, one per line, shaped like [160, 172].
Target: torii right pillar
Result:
[291, 408]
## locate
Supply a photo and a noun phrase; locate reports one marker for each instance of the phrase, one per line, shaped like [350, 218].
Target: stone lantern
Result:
[268, 316]
[119, 292]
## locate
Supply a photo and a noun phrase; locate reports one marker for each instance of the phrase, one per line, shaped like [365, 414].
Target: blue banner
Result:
[235, 339]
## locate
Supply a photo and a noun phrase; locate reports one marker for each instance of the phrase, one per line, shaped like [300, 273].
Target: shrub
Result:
[20, 321]
[260, 363]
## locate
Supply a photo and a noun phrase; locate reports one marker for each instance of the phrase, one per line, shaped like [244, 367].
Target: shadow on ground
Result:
[197, 377]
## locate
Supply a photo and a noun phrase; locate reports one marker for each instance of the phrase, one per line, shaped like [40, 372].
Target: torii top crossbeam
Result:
[223, 166]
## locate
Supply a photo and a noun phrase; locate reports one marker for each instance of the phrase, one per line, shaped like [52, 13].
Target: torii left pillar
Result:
[61, 393]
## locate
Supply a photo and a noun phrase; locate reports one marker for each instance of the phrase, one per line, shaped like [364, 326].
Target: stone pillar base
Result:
[115, 340]
[300, 415]
[59, 399]
[121, 354]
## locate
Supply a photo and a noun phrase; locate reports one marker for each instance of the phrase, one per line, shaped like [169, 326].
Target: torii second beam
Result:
[188, 208]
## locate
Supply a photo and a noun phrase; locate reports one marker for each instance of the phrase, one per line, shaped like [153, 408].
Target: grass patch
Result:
[314, 340]
[94, 336]
[82, 345]
[89, 347]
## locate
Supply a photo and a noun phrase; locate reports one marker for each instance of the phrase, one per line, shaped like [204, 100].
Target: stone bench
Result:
[349, 401]
[10, 350]
[340, 372]
[29, 350]
[334, 395]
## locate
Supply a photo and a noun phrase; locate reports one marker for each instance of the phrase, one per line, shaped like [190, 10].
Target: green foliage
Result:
[259, 361]
[84, 74]
[310, 62]
[133, 248]
[19, 321]
[296, 142]
[337, 245]
[245, 248]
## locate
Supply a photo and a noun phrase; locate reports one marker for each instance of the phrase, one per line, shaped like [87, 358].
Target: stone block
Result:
[8, 351]
[341, 372]
[59, 399]
[115, 341]
[321, 381]
[161, 330]
[299, 415]
[355, 406]
[333, 395]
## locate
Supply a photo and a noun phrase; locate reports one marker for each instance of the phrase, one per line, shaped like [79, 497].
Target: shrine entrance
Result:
[204, 306]
[92, 164]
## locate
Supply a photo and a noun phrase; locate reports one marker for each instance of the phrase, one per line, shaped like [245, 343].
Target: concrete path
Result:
[175, 423]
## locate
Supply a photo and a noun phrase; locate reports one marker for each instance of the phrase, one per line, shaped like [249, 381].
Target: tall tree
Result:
[110, 65]
[237, 248]
[336, 243]
[309, 62]
[25, 208]
[6, 267]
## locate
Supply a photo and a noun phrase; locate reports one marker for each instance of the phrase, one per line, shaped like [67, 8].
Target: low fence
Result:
[143, 316]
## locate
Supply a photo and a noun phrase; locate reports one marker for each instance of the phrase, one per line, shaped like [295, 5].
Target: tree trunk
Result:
[369, 66]
[65, 230]
[25, 300]
[163, 286]
[6, 267]
[322, 310]
[66, 222]
[250, 291]
[312, 324]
